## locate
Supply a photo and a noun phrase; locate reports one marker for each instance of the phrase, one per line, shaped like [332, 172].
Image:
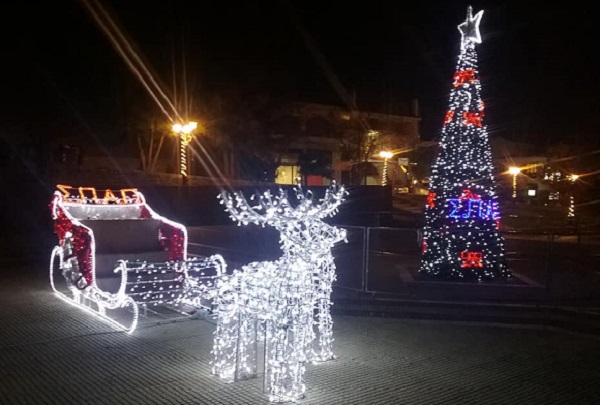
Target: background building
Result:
[334, 143]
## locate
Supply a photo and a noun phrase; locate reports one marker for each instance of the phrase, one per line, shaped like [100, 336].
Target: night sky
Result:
[539, 79]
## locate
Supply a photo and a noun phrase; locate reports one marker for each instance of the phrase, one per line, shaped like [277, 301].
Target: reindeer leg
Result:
[325, 324]
[226, 334]
[324, 351]
[247, 350]
[286, 363]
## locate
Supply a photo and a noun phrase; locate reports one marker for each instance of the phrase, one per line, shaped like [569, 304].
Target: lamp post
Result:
[184, 131]
[385, 155]
[571, 212]
[514, 171]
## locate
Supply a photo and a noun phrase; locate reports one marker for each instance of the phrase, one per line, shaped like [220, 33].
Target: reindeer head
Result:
[301, 227]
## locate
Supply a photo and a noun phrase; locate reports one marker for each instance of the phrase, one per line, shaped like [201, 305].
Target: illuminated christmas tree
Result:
[461, 238]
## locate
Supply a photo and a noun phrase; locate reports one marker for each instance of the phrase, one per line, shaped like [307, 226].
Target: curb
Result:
[578, 320]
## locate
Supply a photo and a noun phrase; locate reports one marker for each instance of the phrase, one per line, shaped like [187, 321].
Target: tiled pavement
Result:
[52, 353]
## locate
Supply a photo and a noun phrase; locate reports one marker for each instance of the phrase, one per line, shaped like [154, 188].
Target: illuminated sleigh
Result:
[115, 254]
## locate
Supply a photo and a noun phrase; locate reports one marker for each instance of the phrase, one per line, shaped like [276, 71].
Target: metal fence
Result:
[546, 266]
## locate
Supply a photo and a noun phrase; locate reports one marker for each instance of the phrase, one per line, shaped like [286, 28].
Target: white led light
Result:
[461, 237]
[469, 29]
[283, 299]
[188, 281]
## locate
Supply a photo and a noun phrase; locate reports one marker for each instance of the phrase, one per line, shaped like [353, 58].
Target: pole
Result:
[185, 137]
[385, 167]
[183, 159]
[514, 193]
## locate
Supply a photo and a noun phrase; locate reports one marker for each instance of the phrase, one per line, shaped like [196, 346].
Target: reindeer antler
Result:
[304, 200]
[243, 212]
[334, 195]
[269, 209]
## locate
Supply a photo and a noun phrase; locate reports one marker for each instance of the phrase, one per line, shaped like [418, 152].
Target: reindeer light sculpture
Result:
[285, 298]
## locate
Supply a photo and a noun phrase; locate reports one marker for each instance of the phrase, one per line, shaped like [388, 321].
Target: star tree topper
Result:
[470, 28]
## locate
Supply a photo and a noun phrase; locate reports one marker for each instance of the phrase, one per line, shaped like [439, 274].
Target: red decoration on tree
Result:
[448, 117]
[469, 195]
[472, 118]
[431, 199]
[464, 76]
[471, 259]
[424, 246]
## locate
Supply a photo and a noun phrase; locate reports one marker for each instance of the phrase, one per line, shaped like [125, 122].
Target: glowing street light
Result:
[514, 171]
[185, 137]
[571, 210]
[385, 155]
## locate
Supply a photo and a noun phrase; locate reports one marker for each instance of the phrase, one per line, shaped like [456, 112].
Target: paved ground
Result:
[52, 353]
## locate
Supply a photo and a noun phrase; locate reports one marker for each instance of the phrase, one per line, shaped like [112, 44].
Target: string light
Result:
[177, 281]
[471, 206]
[280, 298]
[461, 237]
[571, 211]
[385, 155]
[184, 131]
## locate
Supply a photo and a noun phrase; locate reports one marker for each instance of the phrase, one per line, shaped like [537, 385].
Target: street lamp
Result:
[385, 155]
[185, 137]
[571, 211]
[514, 171]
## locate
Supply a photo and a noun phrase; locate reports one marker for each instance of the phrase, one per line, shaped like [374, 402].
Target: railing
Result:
[551, 266]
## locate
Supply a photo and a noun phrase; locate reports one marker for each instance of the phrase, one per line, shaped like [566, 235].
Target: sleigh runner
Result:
[115, 253]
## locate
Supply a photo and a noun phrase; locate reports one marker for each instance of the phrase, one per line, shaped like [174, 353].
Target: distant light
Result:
[177, 128]
[514, 170]
[189, 127]
[531, 193]
[385, 154]
[574, 177]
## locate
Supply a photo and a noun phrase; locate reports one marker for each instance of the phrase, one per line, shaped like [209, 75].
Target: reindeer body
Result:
[282, 297]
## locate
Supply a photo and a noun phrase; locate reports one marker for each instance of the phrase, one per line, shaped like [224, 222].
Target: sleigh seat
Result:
[124, 239]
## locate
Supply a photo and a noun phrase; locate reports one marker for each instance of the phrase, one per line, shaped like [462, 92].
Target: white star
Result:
[470, 28]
